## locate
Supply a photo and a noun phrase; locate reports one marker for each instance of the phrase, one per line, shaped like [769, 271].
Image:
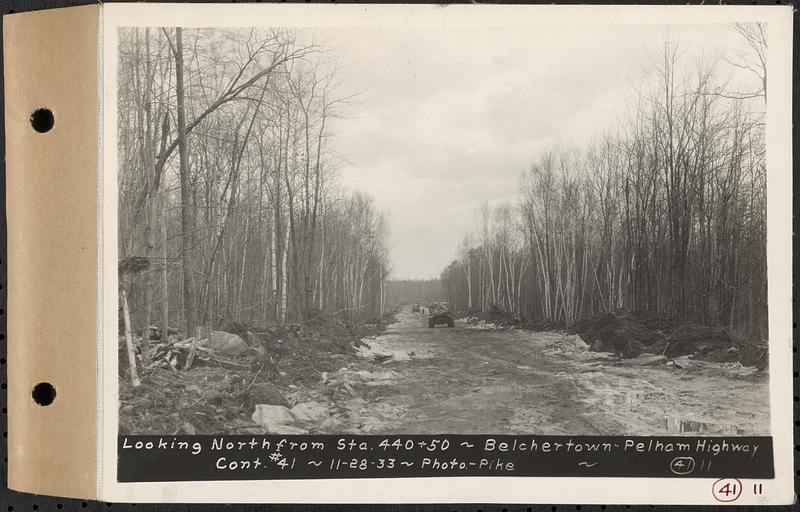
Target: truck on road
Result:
[439, 313]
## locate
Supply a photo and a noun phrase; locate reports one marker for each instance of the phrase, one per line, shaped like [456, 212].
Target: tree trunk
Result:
[186, 186]
[164, 267]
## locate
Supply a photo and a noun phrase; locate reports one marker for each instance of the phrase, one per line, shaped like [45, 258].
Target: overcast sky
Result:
[451, 117]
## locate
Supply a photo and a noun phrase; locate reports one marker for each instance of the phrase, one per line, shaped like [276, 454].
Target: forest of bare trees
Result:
[666, 215]
[229, 199]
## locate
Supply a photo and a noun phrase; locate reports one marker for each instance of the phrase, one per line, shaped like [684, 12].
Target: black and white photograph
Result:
[555, 230]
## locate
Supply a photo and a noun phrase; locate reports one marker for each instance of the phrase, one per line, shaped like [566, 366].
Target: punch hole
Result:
[42, 120]
[44, 393]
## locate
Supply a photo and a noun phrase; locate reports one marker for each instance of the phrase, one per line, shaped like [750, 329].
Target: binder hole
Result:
[44, 393]
[42, 120]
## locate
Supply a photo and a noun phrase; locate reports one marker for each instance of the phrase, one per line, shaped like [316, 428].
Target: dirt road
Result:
[482, 380]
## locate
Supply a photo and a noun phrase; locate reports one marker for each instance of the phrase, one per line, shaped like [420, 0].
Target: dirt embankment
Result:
[218, 393]
[630, 334]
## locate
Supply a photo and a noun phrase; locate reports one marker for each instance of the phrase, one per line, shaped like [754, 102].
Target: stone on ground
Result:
[649, 360]
[578, 342]
[227, 343]
[311, 413]
[288, 430]
[273, 418]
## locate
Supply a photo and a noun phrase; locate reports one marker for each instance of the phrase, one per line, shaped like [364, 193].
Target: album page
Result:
[477, 254]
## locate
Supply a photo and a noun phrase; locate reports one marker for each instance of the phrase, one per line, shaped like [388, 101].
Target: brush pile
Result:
[230, 374]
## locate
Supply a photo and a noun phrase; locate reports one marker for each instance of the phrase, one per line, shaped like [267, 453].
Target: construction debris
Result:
[238, 382]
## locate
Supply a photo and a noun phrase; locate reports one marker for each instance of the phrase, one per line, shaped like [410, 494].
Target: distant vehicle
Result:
[440, 314]
[415, 308]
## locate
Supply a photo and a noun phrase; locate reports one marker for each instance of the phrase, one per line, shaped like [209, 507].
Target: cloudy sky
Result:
[451, 117]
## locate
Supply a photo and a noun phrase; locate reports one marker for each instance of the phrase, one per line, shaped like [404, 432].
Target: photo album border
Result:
[403, 254]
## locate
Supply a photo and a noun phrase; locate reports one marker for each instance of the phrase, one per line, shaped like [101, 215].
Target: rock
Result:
[579, 343]
[330, 424]
[310, 413]
[273, 418]
[732, 350]
[649, 360]
[288, 429]
[686, 363]
[227, 343]
[355, 404]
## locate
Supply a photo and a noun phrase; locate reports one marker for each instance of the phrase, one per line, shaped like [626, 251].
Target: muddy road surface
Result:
[471, 380]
